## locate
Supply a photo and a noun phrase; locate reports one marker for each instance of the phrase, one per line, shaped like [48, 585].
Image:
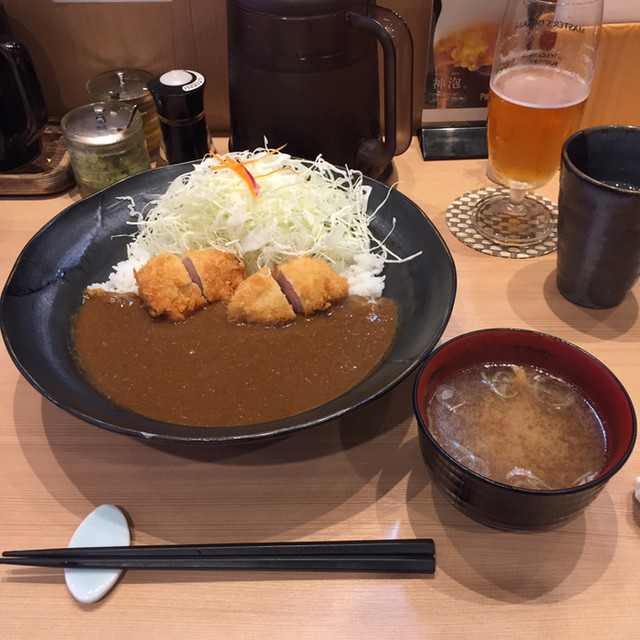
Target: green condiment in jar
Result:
[106, 144]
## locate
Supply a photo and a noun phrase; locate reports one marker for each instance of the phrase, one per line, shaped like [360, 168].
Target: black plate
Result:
[78, 247]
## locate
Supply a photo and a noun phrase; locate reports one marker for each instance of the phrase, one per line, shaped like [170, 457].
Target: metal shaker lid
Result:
[179, 94]
[118, 84]
[101, 123]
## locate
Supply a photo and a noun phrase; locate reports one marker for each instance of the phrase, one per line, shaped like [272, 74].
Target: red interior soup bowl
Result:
[519, 429]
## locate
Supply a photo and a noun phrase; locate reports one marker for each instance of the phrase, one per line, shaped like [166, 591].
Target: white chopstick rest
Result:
[105, 526]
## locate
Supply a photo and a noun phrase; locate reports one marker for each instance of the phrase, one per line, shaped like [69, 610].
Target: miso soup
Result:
[518, 425]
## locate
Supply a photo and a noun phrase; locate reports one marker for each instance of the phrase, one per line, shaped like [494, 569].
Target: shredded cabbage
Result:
[296, 207]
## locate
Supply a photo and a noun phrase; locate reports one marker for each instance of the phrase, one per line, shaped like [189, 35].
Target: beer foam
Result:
[540, 87]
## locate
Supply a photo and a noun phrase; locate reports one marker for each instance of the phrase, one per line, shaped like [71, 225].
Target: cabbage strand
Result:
[282, 207]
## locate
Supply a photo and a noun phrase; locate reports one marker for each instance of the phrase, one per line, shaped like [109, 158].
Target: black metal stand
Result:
[453, 141]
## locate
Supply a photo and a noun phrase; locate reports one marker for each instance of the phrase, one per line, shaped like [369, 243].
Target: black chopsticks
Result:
[384, 556]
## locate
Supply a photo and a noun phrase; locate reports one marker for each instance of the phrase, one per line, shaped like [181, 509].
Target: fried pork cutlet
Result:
[310, 284]
[217, 273]
[259, 300]
[166, 288]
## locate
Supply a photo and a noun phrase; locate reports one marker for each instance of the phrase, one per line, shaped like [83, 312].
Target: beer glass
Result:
[541, 77]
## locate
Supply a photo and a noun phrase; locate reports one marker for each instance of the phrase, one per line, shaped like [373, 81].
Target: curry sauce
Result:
[206, 371]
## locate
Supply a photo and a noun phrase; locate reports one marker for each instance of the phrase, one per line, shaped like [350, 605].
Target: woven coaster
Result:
[458, 218]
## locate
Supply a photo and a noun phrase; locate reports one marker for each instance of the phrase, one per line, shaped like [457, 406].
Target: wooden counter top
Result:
[354, 478]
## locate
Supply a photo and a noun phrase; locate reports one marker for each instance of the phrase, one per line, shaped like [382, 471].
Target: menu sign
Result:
[459, 58]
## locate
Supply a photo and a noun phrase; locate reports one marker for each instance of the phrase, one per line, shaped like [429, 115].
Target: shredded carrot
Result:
[265, 155]
[245, 174]
[239, 167]
[270, 173]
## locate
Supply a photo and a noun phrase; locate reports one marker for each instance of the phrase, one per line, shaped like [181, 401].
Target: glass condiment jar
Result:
[130, 86]
[106, 144]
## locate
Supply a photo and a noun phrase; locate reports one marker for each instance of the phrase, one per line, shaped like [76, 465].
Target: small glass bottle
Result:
[106, 144]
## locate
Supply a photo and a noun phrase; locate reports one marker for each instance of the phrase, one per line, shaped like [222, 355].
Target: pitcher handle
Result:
[394, 36]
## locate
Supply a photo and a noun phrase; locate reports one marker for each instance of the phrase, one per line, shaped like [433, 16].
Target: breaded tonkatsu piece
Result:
[166, 288]
[218, 273]
[259, 300]
[310, 284]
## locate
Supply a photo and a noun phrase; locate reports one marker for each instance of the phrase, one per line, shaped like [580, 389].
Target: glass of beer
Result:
[541, 77]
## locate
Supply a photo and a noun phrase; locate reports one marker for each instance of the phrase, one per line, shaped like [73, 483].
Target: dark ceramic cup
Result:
[599, 216]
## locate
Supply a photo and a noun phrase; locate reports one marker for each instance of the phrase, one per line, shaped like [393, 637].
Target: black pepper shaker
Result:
[179, 98]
